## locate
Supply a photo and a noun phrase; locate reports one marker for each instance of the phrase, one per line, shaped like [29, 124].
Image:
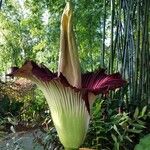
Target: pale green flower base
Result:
[71, 149]
[69, 113]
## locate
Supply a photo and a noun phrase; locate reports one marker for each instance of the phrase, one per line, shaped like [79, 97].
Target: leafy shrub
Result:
[8, 106]
[111, 129]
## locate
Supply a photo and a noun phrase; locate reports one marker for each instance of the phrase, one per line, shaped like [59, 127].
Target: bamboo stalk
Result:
[104, 30]
[136, 80]
[111, 61]
[148, 54]
[145, 60]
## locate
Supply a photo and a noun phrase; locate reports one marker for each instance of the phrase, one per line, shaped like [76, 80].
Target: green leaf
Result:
[134, 130]
[114, 138]
[136, 113]
[116, 144]
[143, 111]
[128, 138]
[116, 129]
[140, 126]
[140, 122]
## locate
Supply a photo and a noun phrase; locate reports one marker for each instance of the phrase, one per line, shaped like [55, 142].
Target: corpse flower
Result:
[69, 93]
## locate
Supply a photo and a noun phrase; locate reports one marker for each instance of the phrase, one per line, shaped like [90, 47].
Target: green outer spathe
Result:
[68, 111]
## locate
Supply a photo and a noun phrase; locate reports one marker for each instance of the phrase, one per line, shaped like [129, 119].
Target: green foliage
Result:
[111, 128]
[144, 143]
[51, 140]
[35, 107]
[9, 107]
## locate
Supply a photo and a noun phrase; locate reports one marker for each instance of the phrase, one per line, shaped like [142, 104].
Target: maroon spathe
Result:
[92, 82]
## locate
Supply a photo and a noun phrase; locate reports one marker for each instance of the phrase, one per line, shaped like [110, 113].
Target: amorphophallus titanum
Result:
[69, 93]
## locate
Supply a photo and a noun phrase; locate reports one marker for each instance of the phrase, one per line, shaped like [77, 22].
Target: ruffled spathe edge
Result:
[100, 82]
[91, 82]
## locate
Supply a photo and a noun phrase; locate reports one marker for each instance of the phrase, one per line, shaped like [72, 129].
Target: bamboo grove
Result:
[129, 50]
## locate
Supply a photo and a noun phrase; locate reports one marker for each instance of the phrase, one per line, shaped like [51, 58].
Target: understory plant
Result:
[69, 93]
[111, 129]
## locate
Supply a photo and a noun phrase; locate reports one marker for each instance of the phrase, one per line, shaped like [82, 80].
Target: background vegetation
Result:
[111, 34]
